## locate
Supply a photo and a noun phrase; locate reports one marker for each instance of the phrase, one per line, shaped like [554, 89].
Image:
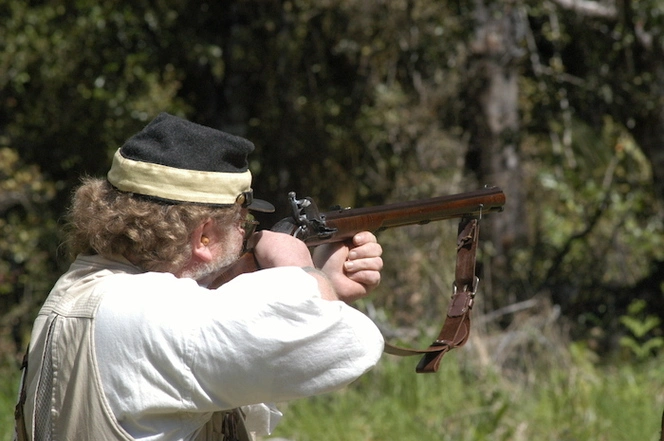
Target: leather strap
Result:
[21, 433]
[456, 327]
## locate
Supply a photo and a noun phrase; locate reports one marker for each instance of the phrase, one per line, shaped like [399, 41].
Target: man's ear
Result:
[203, 237]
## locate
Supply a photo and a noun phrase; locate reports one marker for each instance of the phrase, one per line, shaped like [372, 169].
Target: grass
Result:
[465, 403]
[9, 380]
[570, 397]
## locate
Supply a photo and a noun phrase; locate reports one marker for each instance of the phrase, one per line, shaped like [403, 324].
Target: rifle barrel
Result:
[470, 204]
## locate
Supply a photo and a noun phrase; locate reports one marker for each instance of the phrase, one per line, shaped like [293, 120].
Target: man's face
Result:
[226, 248]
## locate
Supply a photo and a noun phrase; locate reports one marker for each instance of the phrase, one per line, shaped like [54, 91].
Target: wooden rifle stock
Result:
[348, 222]
[245, 264]
[339, 225]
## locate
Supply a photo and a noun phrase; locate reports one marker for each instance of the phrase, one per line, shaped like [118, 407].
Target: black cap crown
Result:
[176, 160]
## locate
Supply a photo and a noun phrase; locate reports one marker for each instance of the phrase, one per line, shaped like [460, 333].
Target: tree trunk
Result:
[492, 120]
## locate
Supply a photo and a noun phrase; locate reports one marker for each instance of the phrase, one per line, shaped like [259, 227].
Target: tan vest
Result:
[65, 400]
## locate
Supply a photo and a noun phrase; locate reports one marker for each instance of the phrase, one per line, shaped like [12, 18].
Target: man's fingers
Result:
[367, 250]
[363, 264]
[368, 279]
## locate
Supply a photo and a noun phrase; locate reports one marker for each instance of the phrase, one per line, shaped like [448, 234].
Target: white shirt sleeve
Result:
[282, 342]
[166, 345]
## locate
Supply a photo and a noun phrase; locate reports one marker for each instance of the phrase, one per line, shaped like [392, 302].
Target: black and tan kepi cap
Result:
[175, 160]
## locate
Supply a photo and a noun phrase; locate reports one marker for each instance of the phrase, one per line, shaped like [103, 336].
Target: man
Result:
[131, 344]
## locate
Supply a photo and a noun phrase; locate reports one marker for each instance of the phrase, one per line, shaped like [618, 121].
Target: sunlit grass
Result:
[9, 379]
[465, 402]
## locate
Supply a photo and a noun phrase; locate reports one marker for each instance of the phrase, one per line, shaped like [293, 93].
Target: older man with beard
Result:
[132, 344]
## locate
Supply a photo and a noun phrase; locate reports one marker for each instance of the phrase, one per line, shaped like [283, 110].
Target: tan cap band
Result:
[177, 184]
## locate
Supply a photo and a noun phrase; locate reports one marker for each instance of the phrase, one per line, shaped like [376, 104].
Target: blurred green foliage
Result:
[357, 103]
[645, 336]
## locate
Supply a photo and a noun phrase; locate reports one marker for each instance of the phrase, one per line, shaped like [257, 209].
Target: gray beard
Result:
[203, 270]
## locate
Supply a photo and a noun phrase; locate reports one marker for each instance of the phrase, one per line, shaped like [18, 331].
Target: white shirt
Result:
[171, 352]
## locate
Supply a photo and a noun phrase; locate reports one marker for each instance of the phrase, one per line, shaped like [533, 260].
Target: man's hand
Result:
[279, 249]
[353, 268]
[346, 271]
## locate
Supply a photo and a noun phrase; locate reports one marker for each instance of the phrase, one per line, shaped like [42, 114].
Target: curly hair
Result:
[154, 235]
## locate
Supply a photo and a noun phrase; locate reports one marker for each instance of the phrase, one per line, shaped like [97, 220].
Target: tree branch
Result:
[590, 8]
[590, 223]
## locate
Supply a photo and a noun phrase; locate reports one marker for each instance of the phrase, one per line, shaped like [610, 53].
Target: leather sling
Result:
[456, 327]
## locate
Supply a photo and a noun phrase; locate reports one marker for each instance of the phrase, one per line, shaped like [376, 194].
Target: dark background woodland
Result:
[358, 103]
